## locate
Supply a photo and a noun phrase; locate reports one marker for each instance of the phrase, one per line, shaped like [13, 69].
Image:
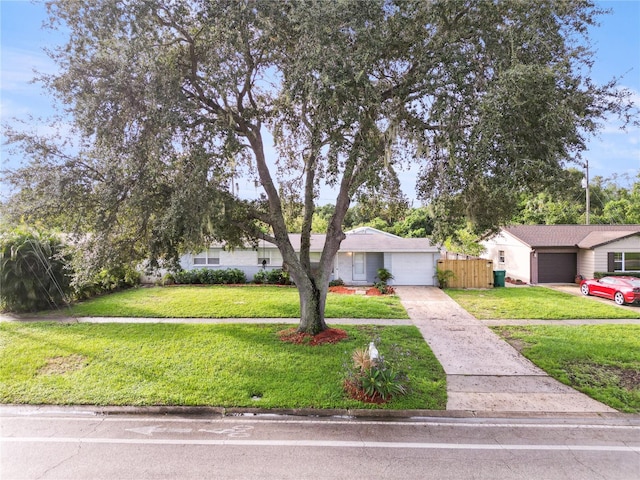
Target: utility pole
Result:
[585, 185]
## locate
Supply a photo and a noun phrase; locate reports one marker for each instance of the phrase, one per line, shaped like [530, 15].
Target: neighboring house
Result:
[558, 253]
[412, 261]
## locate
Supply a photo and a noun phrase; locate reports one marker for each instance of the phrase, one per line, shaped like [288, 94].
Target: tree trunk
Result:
[312, 303]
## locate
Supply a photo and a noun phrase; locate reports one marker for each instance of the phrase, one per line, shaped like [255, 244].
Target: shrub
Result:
[373, 379]
[444, 276]
[234, 276]
[260, 277]
[183, 277]
[272, 277]
[384, 382]
[108, 280]
[384, 289]
[338, 282]
[384, 275]
[208, 276]
[34, 272]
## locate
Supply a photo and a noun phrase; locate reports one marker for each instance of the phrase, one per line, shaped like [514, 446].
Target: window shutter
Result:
[610, 262]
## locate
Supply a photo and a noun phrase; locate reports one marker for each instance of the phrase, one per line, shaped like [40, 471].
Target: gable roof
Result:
[368, 239]
[582, 236]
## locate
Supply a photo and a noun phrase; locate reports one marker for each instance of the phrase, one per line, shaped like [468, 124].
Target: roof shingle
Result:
[583, 236]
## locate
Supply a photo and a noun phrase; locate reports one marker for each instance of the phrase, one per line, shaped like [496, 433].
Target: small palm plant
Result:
[372, 379]
[384, 276]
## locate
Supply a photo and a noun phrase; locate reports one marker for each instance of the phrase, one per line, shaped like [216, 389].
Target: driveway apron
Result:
[485, 373]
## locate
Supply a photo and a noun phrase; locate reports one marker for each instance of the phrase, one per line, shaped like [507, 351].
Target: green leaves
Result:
[33, 271]
[384, 382]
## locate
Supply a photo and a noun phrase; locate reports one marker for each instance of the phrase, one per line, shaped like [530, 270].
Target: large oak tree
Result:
[173, 100]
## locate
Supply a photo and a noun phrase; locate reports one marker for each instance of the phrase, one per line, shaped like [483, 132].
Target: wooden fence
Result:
[469, 273]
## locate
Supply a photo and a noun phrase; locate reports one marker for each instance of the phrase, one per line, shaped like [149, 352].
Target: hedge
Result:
[208, 276]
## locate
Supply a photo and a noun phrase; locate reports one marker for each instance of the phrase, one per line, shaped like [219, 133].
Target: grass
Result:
[230, 302]
[232, 365]
[602, 361]
[535, 303]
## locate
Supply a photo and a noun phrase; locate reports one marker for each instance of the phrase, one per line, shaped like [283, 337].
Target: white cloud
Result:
[11, 109]
[19, 68]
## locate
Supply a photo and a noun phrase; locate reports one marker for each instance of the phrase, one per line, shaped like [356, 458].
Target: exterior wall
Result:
[521, 263]
[344, 267]
[517, 256]
[586, 263]
[411, 268]
[374, 262]
[630, 244]
[238, 258]
[245, 260]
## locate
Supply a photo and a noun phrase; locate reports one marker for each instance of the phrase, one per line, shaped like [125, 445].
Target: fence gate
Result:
[469, 273]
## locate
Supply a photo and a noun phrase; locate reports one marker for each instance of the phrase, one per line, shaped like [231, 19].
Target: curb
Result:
[355, 414]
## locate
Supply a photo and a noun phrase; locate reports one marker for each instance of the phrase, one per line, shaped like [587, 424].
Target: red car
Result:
[619, 289]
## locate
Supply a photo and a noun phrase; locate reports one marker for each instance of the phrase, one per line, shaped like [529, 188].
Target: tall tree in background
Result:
[172, 101]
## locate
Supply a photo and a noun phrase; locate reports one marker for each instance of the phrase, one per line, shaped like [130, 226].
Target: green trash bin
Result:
[498, 278]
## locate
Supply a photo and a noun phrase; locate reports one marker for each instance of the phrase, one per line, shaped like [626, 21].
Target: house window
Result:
[500, 256]
[208, 257]
[264, 258]
[626, 262]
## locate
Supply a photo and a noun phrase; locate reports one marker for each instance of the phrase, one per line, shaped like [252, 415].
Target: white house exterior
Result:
[559, 253]
[412, 261]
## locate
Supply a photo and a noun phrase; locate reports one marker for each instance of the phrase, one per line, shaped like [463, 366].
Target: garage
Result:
[412, 268]
[556, 267]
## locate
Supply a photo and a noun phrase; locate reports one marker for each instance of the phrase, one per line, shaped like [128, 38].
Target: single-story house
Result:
[559, 253]
[412, 261]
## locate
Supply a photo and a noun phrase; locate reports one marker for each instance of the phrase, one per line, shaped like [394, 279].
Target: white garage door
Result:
[412, 268]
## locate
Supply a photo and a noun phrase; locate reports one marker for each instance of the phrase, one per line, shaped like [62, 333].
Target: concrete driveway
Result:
[485, 373]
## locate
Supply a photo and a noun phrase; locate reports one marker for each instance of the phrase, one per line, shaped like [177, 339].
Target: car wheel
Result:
[584, 289]
[618, 298]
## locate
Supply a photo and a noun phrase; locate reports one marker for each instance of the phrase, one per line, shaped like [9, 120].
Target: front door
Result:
[359, 267]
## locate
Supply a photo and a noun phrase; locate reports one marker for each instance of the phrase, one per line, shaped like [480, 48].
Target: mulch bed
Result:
[371, 291]
[342, 290]
[330, 335]
[356, 393]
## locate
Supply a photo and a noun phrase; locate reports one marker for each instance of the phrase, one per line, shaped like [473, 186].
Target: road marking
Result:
[326, 444]
[154, 429]
[235, 431]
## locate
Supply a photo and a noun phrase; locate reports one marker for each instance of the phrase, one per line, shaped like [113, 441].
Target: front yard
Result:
[247, 365]
[535, 303]
[226, 365]
[602, 361]
[230, 302]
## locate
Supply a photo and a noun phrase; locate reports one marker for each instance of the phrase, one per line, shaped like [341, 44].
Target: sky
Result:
[611, 152]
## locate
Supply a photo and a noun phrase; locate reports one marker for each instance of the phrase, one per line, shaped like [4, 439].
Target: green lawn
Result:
[535, 303]
[602, 361]
[232, 365]
[230, 302]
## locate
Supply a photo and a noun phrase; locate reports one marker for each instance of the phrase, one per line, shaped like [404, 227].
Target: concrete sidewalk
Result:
[485, 373]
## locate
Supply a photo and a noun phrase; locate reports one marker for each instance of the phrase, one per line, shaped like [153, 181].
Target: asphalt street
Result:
[66, 444]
